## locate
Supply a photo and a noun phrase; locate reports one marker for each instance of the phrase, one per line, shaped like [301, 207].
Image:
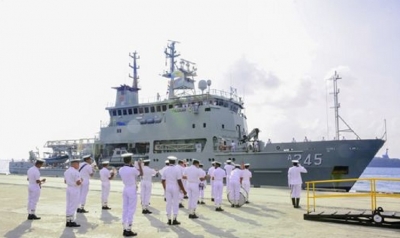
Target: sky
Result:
[59, 60]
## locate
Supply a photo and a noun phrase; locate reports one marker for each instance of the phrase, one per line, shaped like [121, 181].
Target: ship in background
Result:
[210, 125]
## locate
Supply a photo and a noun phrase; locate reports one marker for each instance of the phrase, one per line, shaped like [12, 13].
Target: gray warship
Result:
[210, 125]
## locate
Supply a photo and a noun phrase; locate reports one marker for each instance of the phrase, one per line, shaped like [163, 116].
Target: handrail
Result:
[373, 193]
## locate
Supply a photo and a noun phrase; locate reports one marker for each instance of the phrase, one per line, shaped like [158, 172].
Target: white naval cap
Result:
[216, 162]
[247, 165]
[105, 162]
[237, 165]
[75, 160]
[167, 161]
[85, 157]
[295, 161]
[146, 161]
[171, 158]
[126, 155]
[39, 160]
[228, 161]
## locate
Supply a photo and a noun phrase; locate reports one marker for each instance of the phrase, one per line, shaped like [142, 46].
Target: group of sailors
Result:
[179, 181]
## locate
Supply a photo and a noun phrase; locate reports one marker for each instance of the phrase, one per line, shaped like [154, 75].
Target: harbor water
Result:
[381, 186]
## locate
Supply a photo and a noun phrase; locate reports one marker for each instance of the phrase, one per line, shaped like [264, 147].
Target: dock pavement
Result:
[269, 214]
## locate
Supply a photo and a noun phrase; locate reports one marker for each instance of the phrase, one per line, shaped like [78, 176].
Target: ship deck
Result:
[270, 213]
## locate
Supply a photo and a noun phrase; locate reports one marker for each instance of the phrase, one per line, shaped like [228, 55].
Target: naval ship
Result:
[210, 125]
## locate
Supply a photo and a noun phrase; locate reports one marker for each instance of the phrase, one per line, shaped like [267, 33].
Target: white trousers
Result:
[234, 192]
[212, 188]
[33, 197]
[145, 193]
[227, 183]
[295, 190]
[246, 187]
[129, 200]
[202, 187]
[193, 194]
[172, 194]
[218, 191]
[72, 202]
[84, 193]
[105, 192]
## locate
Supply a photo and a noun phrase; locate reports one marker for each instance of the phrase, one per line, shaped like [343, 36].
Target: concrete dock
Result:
[269, 214]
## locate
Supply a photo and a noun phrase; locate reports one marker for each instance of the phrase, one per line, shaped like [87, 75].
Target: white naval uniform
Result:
[295, 181]
[128, 176]
[228, 169]
[71, 176]
[105, 175]
[161, 171]
[234, 186]
[202, 185]
[193, 175]
[246, 181]
[146, 185]
[218, 175]
[171, 175]
[184, 182]
[85, 170]
[33, 188]
[210, 172]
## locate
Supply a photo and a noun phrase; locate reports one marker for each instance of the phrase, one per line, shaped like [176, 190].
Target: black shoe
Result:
[181, 205]
[165, 199]
[193, 216]
[202, 202]
[148, 212]
[129, 233]
[198, 202]
[79, 210]
[105, 208]
[83, 210]
[232, 205]
[72, 224]
[175, 222]
[218, 209]
[33, 217]
[185, 197]
[169, 222]
[212, 199]
[237, 205]
[247, 202]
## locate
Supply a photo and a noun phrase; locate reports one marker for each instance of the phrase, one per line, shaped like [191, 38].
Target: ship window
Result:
[204, 125]
[135, 111]
[114, 112]
[193, 125]
[119, 113]
[158, 108]
[124, 112]
[130, 111]
[223, 126]
[152, 109]
[170, 106]
[164, 108]
[146, 110]
[207, 109]
[140, 110]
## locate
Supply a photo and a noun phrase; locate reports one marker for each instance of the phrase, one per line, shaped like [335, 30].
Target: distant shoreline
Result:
[384, 162]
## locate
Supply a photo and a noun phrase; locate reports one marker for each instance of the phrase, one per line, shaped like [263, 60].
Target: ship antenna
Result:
[170, 53]
[336, 106]
[134, 67]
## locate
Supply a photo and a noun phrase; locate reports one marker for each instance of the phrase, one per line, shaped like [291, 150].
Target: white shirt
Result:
[294, 174]
[171, 175]
[128, 175]
[218, 174]
[148, 173]
[193, 174]
[71, 176]
[228, 168]
[86, 171]
[236, 174]
[105, 175]
[246, 174]
[211, 170]
[161, 171]
[33, 175]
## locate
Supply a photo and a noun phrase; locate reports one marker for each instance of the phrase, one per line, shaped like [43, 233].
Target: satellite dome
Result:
[202, 85]
[209, 83]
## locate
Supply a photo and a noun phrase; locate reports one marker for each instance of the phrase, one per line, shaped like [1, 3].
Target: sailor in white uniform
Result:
[246, 180]
[228, 169]
[182, 166]
[86, 171]
[73, 180]
[234, 185]
[172, 184]
[34, 187]
[105, 176]
[129, 174]
[209, 175]
[146, 185]
[295, 182]
[194, 176]
[218, 176]
[202, 185]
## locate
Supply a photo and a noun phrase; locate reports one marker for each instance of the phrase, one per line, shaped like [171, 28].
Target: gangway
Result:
[375, 216]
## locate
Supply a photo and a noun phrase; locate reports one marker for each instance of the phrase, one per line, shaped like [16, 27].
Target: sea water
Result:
[381, 186]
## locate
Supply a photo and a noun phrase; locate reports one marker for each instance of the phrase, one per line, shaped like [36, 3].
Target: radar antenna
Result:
[134, 67]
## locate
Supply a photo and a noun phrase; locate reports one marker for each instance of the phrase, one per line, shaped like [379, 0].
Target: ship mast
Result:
[134, 67]
[336, 106]
[170, 53]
